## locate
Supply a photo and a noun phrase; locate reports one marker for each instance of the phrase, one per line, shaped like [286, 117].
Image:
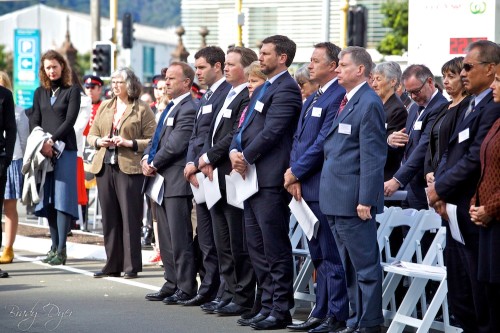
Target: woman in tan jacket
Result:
[121, 131]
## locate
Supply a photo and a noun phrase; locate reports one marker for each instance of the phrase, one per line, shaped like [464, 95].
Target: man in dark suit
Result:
[209, 64]
[419, 83]
[351, 187]
[455, 182]
[7, 141]
[227, 220]
[166, 155]
[265, 140]
[302, 181]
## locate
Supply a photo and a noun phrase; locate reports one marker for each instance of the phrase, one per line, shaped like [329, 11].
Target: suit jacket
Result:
[458, 172]
[7, 125]
[170, 158]
[412, 168]
[306, 158]
[355, 153]
[203, 121]
[396, 116]
[218, 152]
[137, 123]
[267, 138]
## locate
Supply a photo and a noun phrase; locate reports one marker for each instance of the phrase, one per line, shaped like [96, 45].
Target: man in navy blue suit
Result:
[265, 140]
[419, 83]
[351, 187]
[455, 182]
[302, 181]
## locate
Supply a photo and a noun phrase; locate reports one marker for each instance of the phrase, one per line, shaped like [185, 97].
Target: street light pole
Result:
[343, 30]
[113, 18]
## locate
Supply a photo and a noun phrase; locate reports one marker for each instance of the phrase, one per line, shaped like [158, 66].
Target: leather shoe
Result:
[329, 324]
[232, 309]
[195, 301]
[3, 274]
[210, 307]
[348, 330]
[373, 329]
[248, 322]
[271, 323]
[101, 274]
[131, 275]
[177, 297]
[159, 296]
[310, 323]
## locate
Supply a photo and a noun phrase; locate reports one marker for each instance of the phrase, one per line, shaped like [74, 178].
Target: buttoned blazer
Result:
[267, 137]
[396, 116]
[459, 170]
[203, 121]
[306, 158]
[412, 168]
[218, 152]
[355, 151]
[170, 158]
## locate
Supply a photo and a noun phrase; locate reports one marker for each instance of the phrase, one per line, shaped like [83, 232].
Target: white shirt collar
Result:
[328, 84]
[354, 90]
[178, 99]
[216, 85]
[274, 78]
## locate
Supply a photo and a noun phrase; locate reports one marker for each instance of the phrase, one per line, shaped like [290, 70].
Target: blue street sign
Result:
[26, 64]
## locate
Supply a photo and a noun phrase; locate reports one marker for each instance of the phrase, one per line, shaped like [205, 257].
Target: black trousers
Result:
[121, 202]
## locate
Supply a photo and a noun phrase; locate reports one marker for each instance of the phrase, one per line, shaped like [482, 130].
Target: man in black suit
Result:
[419, 83]
[209, 64]
[455, 182]
[227, 220]
[166, 155]
[7, 142]
[265, 140]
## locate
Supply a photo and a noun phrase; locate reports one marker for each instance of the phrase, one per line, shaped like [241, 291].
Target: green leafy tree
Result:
[83, 65]
[396, 18]
[6, 61]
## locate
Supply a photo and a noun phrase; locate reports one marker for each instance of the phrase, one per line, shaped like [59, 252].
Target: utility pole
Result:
[113, 18]
[325, 20]
[95, 14]
[241, 22]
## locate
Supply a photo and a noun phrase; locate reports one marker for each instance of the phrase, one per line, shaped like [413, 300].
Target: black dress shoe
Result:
[101, 274]
[3, 274]
[195, 301]
[373, 329]
[329, 324]
[348, 330]
[249, 314]
[253, 320]
[131, 275]
[159, 296]
[210, 307]
[271, 323]
[179, 296]
[310, 323]
[232, 309]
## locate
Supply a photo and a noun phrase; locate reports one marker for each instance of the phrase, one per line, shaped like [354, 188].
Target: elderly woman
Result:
[56, 104]
[303, 80]
[386, 78]
[121, 130]
[443, 126]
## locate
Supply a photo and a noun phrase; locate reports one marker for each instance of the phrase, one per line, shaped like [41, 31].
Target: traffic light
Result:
[357, 26]
[102, 59]
[127, 31]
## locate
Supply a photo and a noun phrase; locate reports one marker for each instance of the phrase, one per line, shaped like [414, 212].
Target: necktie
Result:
[156, 137]
[316, 96]
[471, 107]
[221, 112]
[204, 101]
[249, 113]
[342, 105]
[207, 95]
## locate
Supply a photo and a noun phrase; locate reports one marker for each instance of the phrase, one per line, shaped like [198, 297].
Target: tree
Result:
[396, 18]
[6, 61]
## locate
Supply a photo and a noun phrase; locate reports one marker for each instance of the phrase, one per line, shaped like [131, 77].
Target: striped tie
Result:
[316, 96]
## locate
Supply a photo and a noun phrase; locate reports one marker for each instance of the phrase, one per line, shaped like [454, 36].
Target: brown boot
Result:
[7, 255]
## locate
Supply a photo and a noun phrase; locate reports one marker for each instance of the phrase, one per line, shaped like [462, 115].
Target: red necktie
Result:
[342, 105]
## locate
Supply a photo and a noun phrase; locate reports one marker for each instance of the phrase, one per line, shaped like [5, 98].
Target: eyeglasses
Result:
[117, 82]
[417, 91]
[468, 66]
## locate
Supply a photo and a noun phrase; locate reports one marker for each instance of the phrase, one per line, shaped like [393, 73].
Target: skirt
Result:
[15, 180]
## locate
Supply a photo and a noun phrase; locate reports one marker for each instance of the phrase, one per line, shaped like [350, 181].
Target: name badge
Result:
[227, 113]
[345, 129]
[206, 109]
[259, 106]
[170, 121]
[417, 126]
[316, 112]
[464, 135]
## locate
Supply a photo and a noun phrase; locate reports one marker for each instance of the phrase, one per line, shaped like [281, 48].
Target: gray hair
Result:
[359, 56]
[302, 75]
[391, 70]
[132, 82]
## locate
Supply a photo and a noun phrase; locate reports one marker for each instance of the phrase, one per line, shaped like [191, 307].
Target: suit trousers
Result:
[466, 296]
[122, 209]
[211, 279]
[230, 240]
[357, 243]
[176, 244]
[267, 224]
[331, 290]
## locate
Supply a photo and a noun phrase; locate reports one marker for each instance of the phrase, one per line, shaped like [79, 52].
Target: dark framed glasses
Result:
[417, 91]
[468, 66]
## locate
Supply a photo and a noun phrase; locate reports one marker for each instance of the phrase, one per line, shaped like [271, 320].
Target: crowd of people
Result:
[341, 136]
